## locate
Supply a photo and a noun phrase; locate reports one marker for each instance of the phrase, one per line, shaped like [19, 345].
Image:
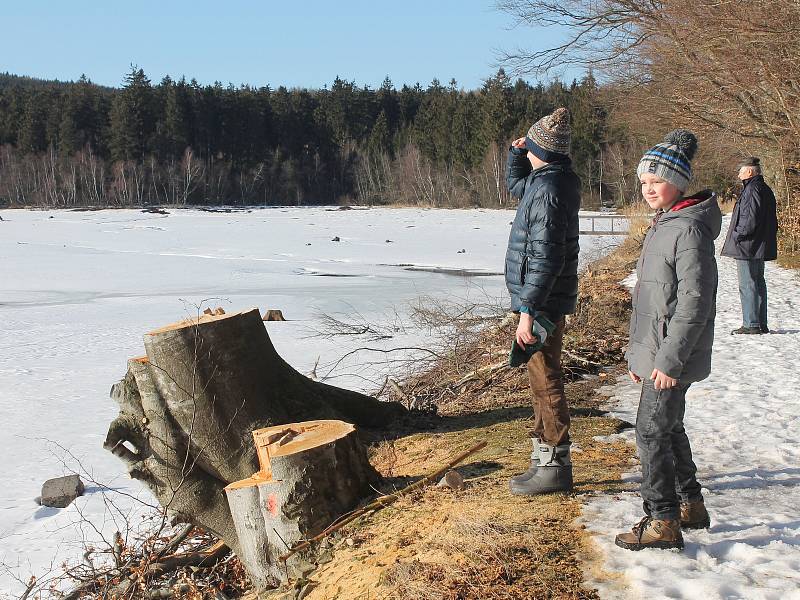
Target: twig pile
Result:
[187, 564]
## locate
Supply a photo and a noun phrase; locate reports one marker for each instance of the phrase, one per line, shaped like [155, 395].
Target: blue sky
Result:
[298, 44]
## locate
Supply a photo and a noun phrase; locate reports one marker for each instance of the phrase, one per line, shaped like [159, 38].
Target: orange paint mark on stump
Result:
[272, 505]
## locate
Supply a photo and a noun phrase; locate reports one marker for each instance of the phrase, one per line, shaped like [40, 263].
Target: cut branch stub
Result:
[310, 474]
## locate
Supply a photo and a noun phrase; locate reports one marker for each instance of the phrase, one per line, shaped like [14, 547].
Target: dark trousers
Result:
[550, 410]
[752, 292]
[668, 472]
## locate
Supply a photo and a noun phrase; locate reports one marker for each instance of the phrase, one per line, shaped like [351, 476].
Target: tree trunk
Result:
[311, 474]
[188, 410]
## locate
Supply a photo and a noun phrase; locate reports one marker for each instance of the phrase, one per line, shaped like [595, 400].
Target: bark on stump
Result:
[188, 410]
[311, 474]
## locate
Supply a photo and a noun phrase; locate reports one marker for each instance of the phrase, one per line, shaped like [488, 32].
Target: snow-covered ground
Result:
[79, 289]
[744, 426]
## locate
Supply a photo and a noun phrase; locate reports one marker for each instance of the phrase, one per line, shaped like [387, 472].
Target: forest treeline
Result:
[181, 143]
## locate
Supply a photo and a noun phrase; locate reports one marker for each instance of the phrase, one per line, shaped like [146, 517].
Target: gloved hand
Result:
[542, 327]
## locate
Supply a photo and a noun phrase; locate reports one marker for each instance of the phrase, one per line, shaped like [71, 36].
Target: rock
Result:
[61, 491]
[453, 480]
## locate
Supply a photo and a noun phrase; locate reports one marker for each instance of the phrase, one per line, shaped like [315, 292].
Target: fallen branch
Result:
[580, 359]
[383, 501]
[498, 366]
[32, 581]
[176, 541]
[189, 559]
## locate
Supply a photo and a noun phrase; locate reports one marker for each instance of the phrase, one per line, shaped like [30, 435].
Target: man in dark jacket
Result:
[752, 239]
[541, 272]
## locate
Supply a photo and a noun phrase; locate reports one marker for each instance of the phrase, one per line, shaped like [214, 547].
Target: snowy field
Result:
[744, 426]
[79, 289]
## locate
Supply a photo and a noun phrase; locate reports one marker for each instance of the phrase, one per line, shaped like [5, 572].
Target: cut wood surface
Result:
[188, 409]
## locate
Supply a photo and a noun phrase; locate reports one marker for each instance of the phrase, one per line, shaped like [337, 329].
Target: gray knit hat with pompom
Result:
[671, 160]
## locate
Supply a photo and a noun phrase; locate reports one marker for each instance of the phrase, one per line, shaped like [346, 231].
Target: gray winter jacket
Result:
[674, 302]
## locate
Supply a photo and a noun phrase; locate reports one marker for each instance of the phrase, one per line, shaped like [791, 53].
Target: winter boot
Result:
[553, 475]
[744, 330]
[534, 463]
[694, 515]
[652, 533]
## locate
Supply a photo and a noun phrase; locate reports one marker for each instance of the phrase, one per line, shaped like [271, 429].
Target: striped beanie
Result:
[671, 160]
[548, 139]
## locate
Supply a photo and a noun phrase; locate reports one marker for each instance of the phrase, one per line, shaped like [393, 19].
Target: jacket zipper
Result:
[638, 283]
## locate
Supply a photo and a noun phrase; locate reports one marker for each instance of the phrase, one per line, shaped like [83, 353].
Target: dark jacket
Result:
[674, 302]
[542, 258]
[753, 232]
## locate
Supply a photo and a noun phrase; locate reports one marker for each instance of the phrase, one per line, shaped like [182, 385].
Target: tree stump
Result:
[273, 315]
[188, 410]
[311, 473]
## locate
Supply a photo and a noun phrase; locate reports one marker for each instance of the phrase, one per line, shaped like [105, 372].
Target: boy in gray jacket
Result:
[671, 334]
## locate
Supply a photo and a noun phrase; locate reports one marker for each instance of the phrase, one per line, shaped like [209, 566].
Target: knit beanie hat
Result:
[671, 160]
[548, 139]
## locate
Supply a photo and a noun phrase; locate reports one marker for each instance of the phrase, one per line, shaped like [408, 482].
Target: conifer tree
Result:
[133, 117]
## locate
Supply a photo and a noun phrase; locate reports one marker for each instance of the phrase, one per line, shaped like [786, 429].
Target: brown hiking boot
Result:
[694, 515]
[652, 533]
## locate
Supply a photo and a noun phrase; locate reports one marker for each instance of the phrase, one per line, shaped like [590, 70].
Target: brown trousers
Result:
[550, 410]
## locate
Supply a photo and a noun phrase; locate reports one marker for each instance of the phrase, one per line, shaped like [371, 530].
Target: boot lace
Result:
[640, 527]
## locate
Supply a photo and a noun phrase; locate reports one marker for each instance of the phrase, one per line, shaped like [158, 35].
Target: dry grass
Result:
[639, 215]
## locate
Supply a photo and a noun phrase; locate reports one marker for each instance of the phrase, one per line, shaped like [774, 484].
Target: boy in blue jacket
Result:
[541, 270]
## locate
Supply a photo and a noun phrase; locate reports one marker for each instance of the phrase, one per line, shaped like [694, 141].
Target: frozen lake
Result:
[79, 289]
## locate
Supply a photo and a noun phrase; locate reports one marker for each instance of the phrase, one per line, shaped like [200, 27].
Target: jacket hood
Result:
[706, 212]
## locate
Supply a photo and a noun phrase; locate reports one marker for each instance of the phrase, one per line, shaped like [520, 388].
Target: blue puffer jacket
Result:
[542, 258]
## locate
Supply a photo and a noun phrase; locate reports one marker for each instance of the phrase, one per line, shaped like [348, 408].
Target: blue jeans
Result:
[752, 292]
[668, 471]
